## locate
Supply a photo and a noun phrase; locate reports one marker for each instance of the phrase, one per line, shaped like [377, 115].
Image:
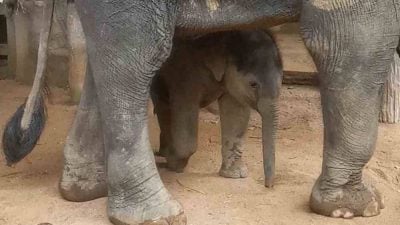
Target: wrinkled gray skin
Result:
[242, 70]
[351, 41]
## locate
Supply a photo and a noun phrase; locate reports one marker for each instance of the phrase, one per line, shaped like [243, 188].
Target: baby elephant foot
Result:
[168, 213]
[162, 152]
[83, 182]
[177, 164]
[234, 169]
[346, 202]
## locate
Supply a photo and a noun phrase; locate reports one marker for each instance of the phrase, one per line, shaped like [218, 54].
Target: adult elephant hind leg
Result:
[234, 121]
[127, 42]
[352, 46]
[84, 175]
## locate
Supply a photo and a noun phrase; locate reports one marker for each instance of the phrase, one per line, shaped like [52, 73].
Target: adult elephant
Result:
[351, 41]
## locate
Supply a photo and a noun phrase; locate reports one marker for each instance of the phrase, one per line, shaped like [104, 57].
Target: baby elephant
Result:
[243, 70]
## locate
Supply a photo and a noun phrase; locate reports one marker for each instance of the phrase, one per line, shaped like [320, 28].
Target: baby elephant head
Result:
[254, 71]
[254, 77]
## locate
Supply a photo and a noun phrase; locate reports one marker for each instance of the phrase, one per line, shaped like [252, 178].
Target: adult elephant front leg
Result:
[352, 43]
[127, 42]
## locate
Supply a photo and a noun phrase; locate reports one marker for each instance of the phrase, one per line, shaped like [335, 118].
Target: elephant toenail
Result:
[343, 213]
[372, 209]
[348, 215]
[337, 213]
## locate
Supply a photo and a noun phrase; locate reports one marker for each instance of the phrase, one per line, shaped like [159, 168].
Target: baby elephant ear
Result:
[217, 65]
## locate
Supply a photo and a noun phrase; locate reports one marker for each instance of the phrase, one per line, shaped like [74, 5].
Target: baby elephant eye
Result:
[253, 84]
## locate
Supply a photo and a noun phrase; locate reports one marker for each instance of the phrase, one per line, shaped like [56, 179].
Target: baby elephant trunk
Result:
[268, 111]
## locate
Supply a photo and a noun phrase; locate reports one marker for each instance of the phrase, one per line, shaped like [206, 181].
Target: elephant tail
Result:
[26, 125]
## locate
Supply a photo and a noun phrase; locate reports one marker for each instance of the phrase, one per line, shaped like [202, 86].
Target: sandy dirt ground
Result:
[29, 192]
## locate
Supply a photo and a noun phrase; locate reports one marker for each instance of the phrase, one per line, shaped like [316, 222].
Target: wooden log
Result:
[390, 111]
[300, 77]
[298, 65]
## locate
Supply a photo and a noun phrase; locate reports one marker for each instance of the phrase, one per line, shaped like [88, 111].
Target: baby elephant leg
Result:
[162, 109]
[184, 111]
[164, 121]
[234, 121]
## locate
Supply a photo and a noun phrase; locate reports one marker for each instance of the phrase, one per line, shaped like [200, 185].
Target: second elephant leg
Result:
[84, 175]
[234, 121]
[353, 61]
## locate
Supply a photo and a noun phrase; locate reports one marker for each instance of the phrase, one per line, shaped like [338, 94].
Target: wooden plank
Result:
[299, 77]
[298, 65]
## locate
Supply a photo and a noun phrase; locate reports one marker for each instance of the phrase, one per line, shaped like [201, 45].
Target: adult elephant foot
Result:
[234, 169]
[170, 212]
[347, 201]
[84, 176]
[136, 192]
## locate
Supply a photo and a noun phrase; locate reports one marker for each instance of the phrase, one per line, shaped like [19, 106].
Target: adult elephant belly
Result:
[204, 16]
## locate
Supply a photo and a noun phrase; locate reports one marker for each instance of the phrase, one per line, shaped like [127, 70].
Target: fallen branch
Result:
[189, 188]
[10, 174]
[255, 137]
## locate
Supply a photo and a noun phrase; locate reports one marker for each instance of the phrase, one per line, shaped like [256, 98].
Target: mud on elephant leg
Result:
[352, 47]
[127, 41]
[234, 121]
[84, 175]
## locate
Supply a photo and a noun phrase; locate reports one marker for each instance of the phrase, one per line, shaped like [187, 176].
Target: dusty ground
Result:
[29, 195]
